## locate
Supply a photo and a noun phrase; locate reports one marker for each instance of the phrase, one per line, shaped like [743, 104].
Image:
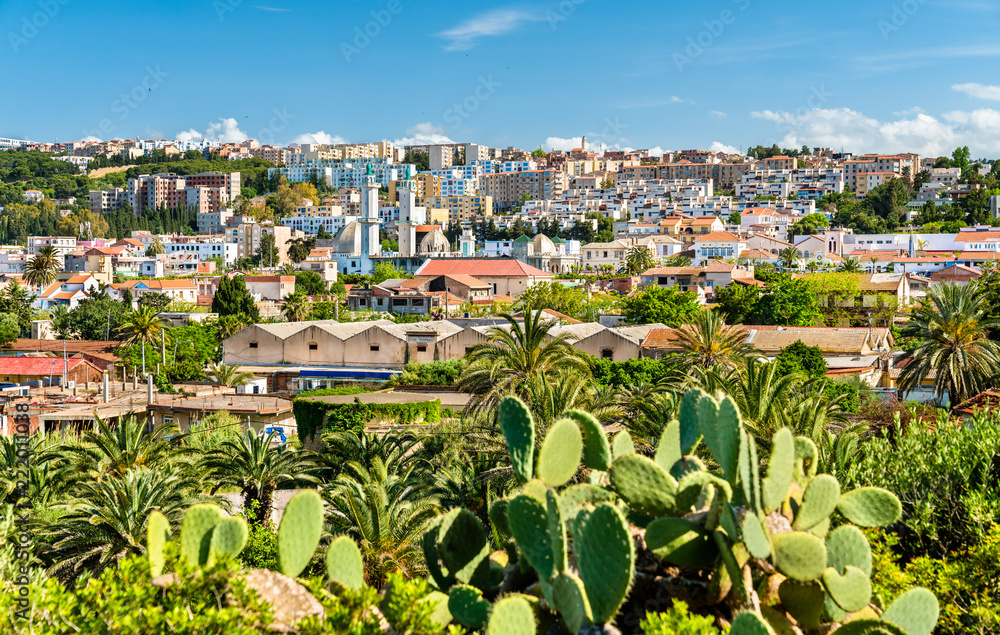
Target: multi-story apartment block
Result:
[62, 244]
[277, 156]
[103, 201]
[475, 152]
[312, 224]
[207, 191]
[214, 222]
[341, 174]
[440, 157]
[460, 208]
[204, 249]
[248, 235]
[510, 189]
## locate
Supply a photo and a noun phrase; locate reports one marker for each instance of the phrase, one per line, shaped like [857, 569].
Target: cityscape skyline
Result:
[875, 77]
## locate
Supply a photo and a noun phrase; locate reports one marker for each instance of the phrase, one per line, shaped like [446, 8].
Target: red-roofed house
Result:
[67, 293]
[717, 246]
[505, 275]
[23, 370]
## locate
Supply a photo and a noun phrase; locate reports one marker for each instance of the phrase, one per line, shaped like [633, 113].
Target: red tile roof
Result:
[481, 268]
[36, 366]
[718, 237]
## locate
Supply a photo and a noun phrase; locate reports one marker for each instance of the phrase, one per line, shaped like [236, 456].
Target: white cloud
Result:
[656, 151]
[979, 91]
[718, 146]
[424, 134]
[921, 133]
[560, 143]
[321, 137]
[717, 114]
[464, 36]
[91, 138]
[222, 131]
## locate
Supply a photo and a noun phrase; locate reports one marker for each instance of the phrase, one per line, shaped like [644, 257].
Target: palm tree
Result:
[385, 514]
[112, 450]
[951, 344]
[155, 248]
[789, 257]
[297, 307]
[142, 327]
[708, 341]
[228, 375]
[850, 265]
[288, 269]
[360, 450]
[258, 468]
[637, 260]
[41, 270]
[764, 397]
[105, 521]
[515, 354]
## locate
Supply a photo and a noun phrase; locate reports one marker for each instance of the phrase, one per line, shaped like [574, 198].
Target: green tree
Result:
[310, 283]
[156, 301]
[950, 341]
[666, 306]
[296, 307]
[789, 257]
[155, 248]
[41, 270]
[16, 300]
[233, 298]
[142, 327]
[10, 329]
[735, 218]
[258, 467]
[385, 270]
[707, 341]
[802, 359]
[515, 354]
[268, 254]
[229, 375]
[637, 260]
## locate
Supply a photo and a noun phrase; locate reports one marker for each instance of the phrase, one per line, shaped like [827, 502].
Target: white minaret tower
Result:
[370, 244]
[409, 215]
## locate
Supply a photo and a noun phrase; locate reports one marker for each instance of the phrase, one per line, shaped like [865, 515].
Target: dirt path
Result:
[98, 173]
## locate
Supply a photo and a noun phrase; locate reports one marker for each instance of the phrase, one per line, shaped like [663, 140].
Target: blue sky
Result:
[875, 75]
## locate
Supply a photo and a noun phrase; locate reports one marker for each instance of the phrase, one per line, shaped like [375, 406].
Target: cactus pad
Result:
[228, 538]
[559, 457]
[851, 591]
[643, 484]
[668, 452]
[605, 556]
[870, 627]
[780, 470]
[299, 532]
[519, 432]
[870, 507]
[681, 542]
[571, 601]
[687, 417]
[557, 532]
[720, 426]
[805, 459]
[428, 542]
[689, 490]
[622, 444]
[157, 536]
[748, 467]
[799, 555]
[818, 502]
[498, 515]
[344, 563]
[196, 533]
[754, 537]
[529, 524]
[750, 624]
[468, 607]
[915, 612]
[463, 548]
[803, 601]
[846, 545]
[579, 496]
[596, 449]
[512, 616]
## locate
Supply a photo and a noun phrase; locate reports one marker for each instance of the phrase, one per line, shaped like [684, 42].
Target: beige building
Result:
[510, 189]
[506, 276]
[273, 288]
[460, 208]
[255, 412]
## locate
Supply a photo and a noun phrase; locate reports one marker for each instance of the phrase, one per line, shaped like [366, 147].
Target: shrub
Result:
[313, 415]
[678, 621]
[944, 474]
[430, 373]
[967, 582]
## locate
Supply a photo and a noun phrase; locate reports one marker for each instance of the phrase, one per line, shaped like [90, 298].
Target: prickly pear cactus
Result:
[344, 563]
[299, 532]
[742, 528]
[196, 533]
[228, 539]
[157, 536]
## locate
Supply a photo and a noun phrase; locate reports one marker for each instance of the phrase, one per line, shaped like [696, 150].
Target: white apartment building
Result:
[62, 244]
[312, 224]
[204, 250]
[214, 222]
[103, 201]
[440, 157]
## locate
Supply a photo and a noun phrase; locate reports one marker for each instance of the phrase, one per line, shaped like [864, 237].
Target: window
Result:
[607, 353]
[421, 348]
[313, 346]
[253, 344]
[373, 348]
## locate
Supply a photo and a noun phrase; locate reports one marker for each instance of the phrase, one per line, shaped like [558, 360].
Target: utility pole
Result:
[65, 366]
[163, 347]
